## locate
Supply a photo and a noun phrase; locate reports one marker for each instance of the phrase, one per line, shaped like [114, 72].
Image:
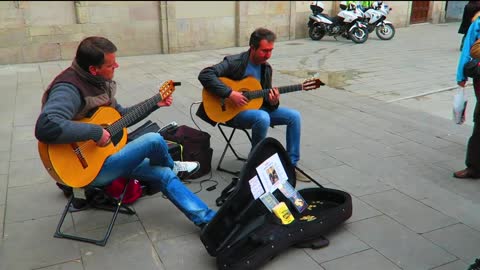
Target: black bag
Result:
[472, 69]
[146, 127]
[196, 146]
[175, 149]
[244, 234]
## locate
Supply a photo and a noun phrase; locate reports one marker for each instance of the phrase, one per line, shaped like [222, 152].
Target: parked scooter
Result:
[375, 19]
[347, 23]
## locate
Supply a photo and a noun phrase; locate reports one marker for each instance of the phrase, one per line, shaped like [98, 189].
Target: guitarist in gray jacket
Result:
[254, 63]
[87, 86]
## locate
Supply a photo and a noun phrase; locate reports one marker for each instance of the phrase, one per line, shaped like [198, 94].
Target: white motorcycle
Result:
[347, 23]
[375, 18]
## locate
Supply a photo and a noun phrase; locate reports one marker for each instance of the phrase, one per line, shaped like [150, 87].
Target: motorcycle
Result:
[347, 23]
[375, 19]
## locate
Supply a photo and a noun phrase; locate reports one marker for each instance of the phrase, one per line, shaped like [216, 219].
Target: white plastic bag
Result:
[459, 105]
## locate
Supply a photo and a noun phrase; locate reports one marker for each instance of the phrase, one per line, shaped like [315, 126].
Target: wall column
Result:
[293, 20]
[438, 11]
[168, 27]
[241, 16]
[81, 12]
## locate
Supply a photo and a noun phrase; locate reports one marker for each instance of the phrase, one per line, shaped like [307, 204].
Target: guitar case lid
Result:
[240, 207]
[244, 234]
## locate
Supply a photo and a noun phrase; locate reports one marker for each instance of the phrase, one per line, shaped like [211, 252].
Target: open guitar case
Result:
[244, 234]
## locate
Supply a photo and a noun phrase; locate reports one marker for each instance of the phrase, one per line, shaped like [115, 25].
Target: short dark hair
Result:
[259, 34]
[91, 51]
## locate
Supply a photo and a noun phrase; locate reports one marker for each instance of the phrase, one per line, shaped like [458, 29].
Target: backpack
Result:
[133, 193]
[184, 144]
[114, 190]
[195, 144]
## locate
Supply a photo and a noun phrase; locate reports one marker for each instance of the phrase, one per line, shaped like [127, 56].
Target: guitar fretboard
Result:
[133, 114]
[264, 92]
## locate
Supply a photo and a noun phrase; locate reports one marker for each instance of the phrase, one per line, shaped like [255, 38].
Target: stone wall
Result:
[455, 10]
[37, 31]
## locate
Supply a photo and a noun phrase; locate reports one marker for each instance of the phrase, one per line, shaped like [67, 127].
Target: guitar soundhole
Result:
[116, 138]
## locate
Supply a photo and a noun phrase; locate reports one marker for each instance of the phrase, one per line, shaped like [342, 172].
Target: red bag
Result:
[134, 190]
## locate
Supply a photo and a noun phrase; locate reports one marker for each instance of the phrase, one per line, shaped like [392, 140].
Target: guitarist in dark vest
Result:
[87, 86]
[254, 63]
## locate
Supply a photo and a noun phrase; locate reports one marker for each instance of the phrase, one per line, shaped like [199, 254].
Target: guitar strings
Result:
[118, 125]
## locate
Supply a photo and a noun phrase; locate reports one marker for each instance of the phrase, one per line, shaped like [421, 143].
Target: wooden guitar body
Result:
[252, 89]
[213, 106]
[77, 164]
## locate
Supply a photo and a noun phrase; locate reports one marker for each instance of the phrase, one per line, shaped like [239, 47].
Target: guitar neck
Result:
[133, 114]
[264, 92]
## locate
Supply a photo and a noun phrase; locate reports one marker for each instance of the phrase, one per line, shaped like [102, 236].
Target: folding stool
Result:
[228, 141]
[115, 207]
[229, 145]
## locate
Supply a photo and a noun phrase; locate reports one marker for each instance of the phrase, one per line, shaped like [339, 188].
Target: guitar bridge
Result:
[79, 155]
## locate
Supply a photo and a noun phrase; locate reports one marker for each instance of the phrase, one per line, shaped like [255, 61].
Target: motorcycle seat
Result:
[325, 16]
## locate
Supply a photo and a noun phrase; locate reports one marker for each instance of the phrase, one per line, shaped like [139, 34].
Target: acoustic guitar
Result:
[221, 110]
[77, 164]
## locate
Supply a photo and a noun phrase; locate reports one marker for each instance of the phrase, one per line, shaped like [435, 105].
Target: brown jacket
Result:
[475, 50]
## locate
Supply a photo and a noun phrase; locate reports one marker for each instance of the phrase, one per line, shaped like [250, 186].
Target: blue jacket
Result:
[472, 35]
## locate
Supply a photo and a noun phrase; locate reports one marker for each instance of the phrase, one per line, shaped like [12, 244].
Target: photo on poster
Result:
[272, 173]
[294, 196]
[269, 200]
[256, 187]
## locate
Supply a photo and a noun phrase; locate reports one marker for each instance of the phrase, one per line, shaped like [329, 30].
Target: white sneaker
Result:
[185, 168]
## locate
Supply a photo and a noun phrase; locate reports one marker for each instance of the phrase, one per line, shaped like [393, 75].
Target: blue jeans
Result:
[260, 120]
[147, 159]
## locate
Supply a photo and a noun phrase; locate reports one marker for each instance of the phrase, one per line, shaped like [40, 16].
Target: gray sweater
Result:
[54, 124]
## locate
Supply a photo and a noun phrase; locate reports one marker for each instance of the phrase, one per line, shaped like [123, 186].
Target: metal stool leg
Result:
[229, 145]
[101, 242]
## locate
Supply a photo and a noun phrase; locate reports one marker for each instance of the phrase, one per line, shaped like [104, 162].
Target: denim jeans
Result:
[147, 159]
[260, 120]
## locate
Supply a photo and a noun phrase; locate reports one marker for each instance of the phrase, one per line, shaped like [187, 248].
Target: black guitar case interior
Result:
[245, 234]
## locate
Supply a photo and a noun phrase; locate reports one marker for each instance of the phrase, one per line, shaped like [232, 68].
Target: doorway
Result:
[419, 11]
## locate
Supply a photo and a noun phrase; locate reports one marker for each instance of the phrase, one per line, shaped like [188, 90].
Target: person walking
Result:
[469, 50]
[469, 11]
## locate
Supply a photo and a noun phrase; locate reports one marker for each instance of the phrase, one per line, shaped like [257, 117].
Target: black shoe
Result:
[467, 173]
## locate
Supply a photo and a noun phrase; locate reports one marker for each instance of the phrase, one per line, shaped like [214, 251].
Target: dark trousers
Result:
[473, 147]
[463, 41]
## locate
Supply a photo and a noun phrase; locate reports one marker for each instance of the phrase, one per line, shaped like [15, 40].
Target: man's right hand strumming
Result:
[105, 139]
[238, 98]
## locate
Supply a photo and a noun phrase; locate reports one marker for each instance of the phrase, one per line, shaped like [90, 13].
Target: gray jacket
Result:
[232, 67]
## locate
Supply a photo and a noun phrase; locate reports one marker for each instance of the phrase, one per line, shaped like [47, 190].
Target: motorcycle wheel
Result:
[316, 32]
[358, 34]
[385, 32]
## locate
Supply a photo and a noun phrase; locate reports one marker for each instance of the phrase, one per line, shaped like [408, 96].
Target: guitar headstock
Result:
[167, 88]
[313, 83]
